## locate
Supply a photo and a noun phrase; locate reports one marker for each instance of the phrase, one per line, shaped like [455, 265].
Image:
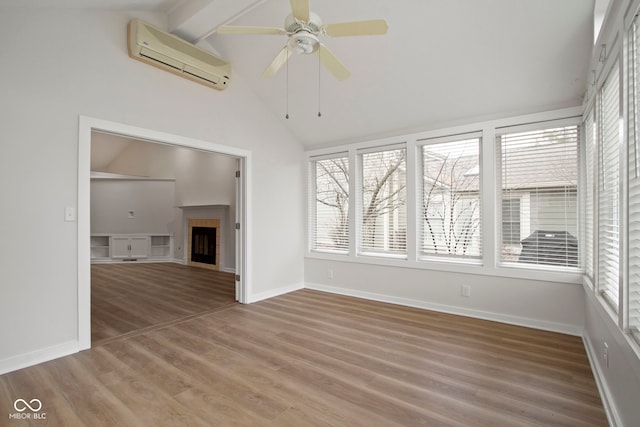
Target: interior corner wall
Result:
[71, 63]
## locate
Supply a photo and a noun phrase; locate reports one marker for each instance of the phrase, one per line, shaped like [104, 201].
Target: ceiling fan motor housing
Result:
[293, 25]
[303, 37]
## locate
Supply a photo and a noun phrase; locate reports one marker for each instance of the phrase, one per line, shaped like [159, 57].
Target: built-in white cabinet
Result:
[131, 247]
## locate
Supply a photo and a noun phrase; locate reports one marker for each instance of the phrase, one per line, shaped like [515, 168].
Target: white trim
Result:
[563, 328]
[539, 125]
[450, 138]
[276, 292]
[24, 360]
[88, 124]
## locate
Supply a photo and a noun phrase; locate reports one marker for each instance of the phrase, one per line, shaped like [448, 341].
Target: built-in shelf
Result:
[100, 247]
[131, 247]
[160, 246]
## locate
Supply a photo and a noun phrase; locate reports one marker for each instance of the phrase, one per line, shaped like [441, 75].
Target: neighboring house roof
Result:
[559, 172]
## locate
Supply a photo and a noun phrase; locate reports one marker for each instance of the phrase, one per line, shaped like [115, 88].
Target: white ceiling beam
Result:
[195, 20]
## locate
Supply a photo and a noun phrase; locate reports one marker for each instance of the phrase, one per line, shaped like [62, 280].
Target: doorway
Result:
[242, 235]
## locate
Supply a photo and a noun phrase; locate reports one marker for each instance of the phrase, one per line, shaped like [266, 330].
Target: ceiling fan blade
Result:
[300, 9]
[357, 28]
[281, 58]
[233, 29]
[331, 62]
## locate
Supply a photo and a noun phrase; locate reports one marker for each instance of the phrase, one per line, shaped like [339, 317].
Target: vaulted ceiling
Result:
[441, 62]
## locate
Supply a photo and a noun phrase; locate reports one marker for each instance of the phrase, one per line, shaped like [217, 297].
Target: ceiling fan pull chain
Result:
[287, 90]
[319, 91]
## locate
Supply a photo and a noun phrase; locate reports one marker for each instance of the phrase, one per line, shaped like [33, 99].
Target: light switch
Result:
[69, 214]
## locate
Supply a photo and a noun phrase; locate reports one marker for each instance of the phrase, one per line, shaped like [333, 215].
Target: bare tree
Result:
[384, 192]
[332, 190]
[450, 203]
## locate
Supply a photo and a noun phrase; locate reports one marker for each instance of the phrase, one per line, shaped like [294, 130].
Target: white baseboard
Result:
[137, 261]
[275, 292]
[478, 314]
[24, 360]
[603, 389]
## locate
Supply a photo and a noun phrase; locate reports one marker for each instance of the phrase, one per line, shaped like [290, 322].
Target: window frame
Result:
[359, 217]
[312, 204]
[613, 304]
[475, 137]
[487, 265]
[533, 127]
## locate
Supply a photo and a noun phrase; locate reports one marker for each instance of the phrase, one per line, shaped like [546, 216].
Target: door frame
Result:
[86, 126]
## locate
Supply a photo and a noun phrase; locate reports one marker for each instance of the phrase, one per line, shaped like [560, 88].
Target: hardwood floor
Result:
[126, 298]
[315, 359]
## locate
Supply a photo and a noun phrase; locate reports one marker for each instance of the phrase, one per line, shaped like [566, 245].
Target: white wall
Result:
[539, 304]
[59, 64]
[151, 201]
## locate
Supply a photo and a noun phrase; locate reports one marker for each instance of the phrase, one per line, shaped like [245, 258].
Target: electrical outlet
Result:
[330, 273]
[605, 354]
[466, 291]
[69, 214]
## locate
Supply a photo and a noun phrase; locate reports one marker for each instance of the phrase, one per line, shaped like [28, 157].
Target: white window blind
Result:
[330, 204]
[608, 189]
[383, 220]
[633, 151]
[450, 209]
[589, 127]
[540, 169]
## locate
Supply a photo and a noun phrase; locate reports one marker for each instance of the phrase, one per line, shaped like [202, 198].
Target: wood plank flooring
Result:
[315, 359]
[126, 298]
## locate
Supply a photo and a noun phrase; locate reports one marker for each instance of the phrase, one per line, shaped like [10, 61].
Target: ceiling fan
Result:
[303, 28]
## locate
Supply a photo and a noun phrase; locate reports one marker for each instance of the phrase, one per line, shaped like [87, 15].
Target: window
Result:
[589, 193]
[383, 218]
[330, 204]
[633, 156]
[539, 168]
[608, 189]
[450, 211]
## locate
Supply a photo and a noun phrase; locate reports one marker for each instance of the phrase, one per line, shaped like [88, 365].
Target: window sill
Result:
[454, 266]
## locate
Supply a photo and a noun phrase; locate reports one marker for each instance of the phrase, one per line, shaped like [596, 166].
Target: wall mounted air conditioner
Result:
[156, 47]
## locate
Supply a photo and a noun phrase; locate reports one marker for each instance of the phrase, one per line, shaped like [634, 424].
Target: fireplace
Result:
[204, 243]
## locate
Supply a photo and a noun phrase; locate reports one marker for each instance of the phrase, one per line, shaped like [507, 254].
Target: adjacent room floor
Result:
[127, 298]
[315, 359]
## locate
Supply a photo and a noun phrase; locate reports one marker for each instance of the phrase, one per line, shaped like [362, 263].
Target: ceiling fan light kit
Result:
[304, 28]
[303, 43]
